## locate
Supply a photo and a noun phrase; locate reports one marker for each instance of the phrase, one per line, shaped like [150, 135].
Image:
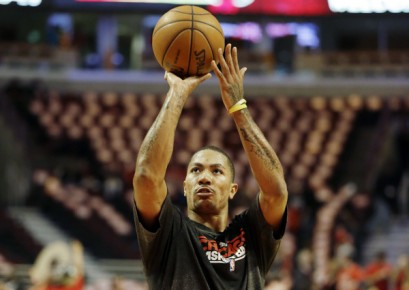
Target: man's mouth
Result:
[204, 191]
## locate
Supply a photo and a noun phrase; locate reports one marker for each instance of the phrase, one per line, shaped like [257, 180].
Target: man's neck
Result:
[217, 223]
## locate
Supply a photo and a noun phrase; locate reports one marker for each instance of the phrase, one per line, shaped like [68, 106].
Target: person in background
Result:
[50, 273]
[350, 275]
[8, 280]
[303, 270]
[377, 273]
[400, 273]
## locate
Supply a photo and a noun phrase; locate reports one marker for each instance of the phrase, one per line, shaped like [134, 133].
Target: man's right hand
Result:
[187, 85]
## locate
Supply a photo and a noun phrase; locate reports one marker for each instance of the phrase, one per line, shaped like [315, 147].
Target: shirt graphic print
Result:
[225, 252]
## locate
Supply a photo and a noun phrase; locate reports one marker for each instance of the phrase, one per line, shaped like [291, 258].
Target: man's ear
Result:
[233, 190]
[184, 187]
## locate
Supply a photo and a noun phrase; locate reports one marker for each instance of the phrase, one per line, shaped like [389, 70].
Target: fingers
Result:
[169, 75]
[222, 61]
[205, 77]
[193, 81]
[235, 60]
[229, 58]
[243, 71]
[216, 70]
[229, 62]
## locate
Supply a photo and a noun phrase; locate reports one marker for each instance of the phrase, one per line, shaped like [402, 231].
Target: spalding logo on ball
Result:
[185, 40]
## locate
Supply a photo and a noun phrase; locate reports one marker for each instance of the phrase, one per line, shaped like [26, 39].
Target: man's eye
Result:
[194, 170]
[217, 171]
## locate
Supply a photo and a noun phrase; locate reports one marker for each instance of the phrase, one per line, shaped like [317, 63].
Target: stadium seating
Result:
[309, 134]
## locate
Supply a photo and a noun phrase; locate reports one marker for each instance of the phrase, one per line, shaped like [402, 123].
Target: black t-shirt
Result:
[183, 254]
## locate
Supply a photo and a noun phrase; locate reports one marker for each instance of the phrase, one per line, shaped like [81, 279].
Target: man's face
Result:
[208, 184]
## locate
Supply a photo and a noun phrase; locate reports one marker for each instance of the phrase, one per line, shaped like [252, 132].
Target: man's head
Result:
[209, 182]
[380, 256]
[229, 161]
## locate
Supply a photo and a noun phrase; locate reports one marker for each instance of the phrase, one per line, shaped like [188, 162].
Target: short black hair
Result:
[218, 149]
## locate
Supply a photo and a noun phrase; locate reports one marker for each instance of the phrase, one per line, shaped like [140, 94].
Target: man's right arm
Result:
[156, 150]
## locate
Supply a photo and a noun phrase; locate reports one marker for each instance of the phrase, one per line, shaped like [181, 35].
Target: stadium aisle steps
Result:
[393, 241]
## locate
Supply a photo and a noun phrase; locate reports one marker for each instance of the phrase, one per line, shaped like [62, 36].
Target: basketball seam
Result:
[191, 9]
[191, 41]
[181, 12]
[212, 26]
[179, 32]
[208, 42]
[201, 22]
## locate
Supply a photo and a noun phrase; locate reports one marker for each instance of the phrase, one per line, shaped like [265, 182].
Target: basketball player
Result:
[203, 251]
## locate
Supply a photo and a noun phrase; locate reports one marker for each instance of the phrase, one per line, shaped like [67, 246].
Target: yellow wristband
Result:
[240, 105]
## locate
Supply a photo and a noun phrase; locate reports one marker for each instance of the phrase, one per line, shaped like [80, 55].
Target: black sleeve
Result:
[153, 244]
[265, 241]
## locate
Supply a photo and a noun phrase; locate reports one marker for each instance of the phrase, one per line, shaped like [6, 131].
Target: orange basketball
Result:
[185, 40]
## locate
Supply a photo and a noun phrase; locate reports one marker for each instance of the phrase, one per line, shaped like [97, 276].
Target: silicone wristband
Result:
[240, 105]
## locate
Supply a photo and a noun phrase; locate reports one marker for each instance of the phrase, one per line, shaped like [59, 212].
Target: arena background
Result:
[327, 82]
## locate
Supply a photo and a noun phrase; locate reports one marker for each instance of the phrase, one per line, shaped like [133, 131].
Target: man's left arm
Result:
[266, 168]
[265, 165]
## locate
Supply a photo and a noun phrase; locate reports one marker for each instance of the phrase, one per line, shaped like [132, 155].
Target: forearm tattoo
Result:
[157, 130]
[259, 147]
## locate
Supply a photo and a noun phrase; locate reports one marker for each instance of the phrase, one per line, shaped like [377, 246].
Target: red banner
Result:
[272, 7]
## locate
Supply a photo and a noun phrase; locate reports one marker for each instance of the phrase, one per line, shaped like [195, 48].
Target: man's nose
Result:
[204, 178]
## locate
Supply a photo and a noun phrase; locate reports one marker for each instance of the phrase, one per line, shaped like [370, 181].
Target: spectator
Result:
[303, 270]
[377, 273]
[400, 274]
[59, 267]
[7, 281]
[350, 275]
[345, 273]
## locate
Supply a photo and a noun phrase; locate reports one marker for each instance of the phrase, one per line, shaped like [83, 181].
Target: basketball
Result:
[185, 40]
